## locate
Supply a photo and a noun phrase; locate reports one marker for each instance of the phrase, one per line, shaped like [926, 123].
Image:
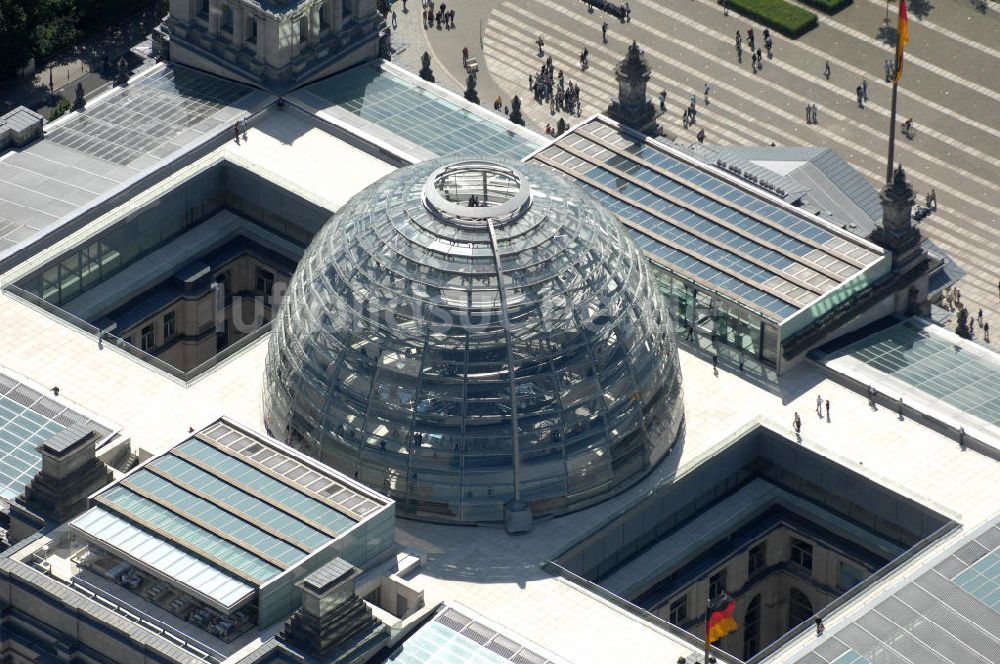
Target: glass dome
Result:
[390, 356]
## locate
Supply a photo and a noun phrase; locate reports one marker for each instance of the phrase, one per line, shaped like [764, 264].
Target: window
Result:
[849, 576]
[303, 30]
[799, 608]
[265, 281]
[169, 324]
[679, 610]
[757, 558]
[345, 11]
[802, 554]
[717, 584]
[203, 9]
[751, 629]
[227, 19]
[252, 30]
[324, 17]
[146, 337]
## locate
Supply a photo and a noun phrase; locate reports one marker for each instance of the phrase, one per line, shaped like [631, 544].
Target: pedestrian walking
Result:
[604, 32]
[932, 202]
[236, 131]
[685, 118]
[827, 410]
[961, 438]
[860, 95]
[864, 88]
[700, 135]
[888, 71]
[809, 114]
[815, 114]
[900, 406]
[715, 363]
[819, 405]
[826, 70]
[663, 100]
[706, 93]
[820, 627]
[760, 59]
[750, 37]
[871, 397]
[243, 128]
[797, 424]
[986, 331]
[628, 13]
[394, 24]
[694, 100]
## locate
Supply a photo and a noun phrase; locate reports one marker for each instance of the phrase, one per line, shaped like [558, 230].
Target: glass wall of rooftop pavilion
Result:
[711, 321]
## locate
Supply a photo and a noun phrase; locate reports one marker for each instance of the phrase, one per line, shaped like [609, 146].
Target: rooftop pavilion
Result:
[737, 262]
[215, 534]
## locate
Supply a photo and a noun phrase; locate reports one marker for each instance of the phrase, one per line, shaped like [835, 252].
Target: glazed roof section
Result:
[229, 501]
[120, 137]
[421, 120]
[692, 220]
[27, 419]
[950, 612]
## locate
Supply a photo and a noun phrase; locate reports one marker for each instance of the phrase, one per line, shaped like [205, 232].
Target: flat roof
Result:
[28, 419]
[693, 220]
[406, 111]
[120, 136]
[245, 506]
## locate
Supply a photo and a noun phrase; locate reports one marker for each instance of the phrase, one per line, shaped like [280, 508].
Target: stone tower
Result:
[897, 233]
[632, 108]
[274, 44]
[910, 263]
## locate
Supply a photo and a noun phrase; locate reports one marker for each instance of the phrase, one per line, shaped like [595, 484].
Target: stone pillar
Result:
[259, 46]
[314, 23]
[214, 16]
[239, 26]
[337, 15]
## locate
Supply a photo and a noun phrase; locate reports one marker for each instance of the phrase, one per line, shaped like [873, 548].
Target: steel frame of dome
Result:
[390, 356]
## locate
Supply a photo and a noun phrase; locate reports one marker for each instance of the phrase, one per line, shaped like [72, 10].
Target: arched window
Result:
[751, 628]
[799, 607]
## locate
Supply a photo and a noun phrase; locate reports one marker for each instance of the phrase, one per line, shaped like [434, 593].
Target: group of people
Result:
[862, 93]
[622, 12]
[443, 16]
[756, 55]
[548, 86]
[811, 114]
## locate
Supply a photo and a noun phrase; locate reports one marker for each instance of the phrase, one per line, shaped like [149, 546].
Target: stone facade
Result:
[274, 44]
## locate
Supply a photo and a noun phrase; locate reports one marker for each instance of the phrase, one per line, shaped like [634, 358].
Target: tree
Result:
[962, 327]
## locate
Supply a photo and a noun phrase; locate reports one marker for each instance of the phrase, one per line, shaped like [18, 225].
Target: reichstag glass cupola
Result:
[391, 357]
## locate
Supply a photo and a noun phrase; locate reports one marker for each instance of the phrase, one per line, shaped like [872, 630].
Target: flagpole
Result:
[708, 609]
[892, 133]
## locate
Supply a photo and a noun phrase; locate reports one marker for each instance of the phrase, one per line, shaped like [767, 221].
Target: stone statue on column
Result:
[632, 108]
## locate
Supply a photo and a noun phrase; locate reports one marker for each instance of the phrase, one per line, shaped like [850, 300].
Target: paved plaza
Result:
[949, 88]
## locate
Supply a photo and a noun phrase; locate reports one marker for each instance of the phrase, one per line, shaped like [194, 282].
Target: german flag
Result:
[720, 618]
[904, 36]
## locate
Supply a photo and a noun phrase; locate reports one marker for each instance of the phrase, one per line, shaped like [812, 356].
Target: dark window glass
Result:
[751, 628]
[799, 608]
[146, 337]
[717, 584]
[802, 554]
[227, 19]
[265, 281]
[757, 558]
[679, 610]
[169, 325]
[849, 576]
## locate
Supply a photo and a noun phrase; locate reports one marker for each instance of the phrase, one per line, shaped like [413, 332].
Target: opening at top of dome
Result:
[477, 191]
